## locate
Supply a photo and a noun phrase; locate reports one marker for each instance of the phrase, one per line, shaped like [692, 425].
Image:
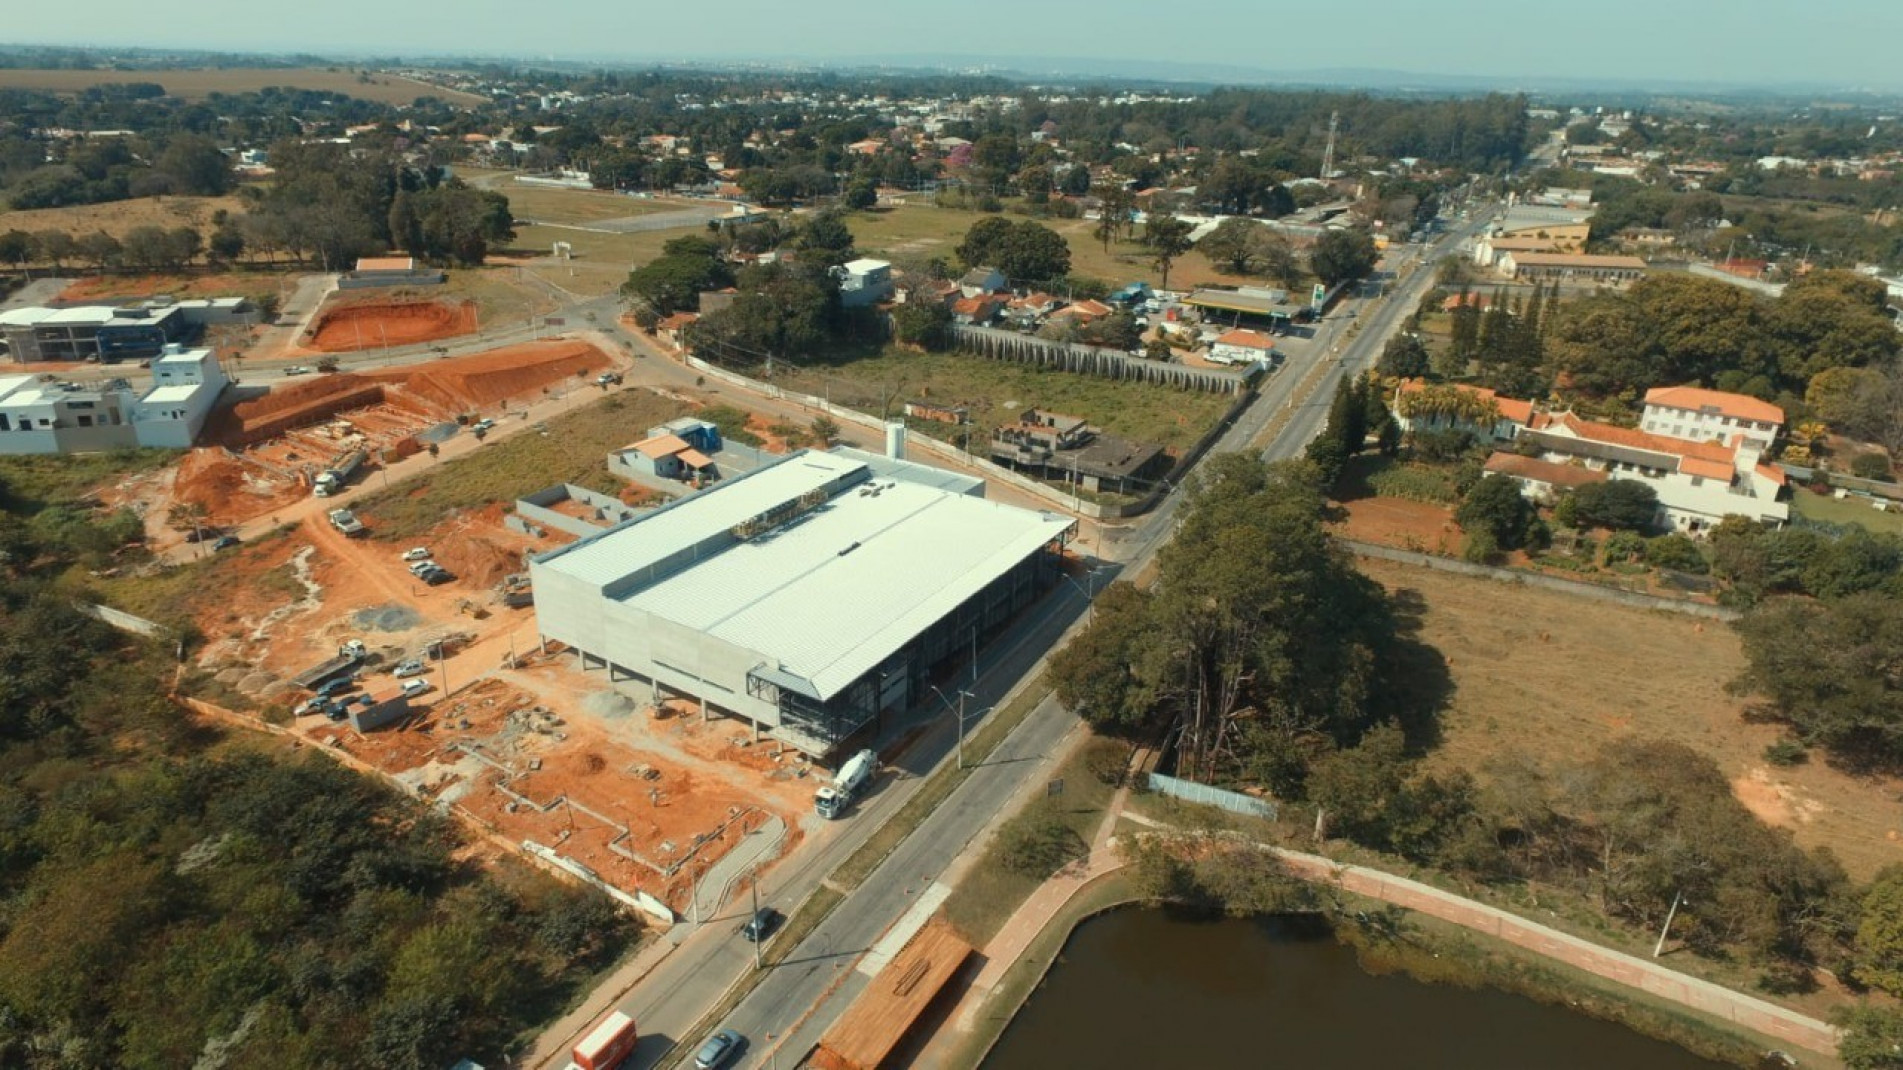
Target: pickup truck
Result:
[346, 521]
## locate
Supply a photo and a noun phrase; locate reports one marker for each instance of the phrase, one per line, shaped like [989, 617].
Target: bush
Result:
[1108, 761]
[1622, 546]
[1446, 445]
[1415, 482]
[1480, 547]
[1497, 507]
[1786, 752]
[1618, 504]
[1870, 466]
[1677, 552]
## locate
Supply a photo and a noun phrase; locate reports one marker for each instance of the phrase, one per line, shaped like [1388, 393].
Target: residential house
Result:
[933, 411]
[672, 329]
[864, 282]
[1487, 415]
[981, 311]
[42, 416]
[1080, 313]
[1030, 310]
[1055, 446]
[1241, 346]
[1696, 413]
[1037, 435]
[927, 292]
[983, 280]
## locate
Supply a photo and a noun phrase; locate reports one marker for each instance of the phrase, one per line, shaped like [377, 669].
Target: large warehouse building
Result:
[807, 596]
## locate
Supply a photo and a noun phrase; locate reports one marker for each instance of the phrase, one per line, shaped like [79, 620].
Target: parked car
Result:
[225, 542]
[412, 667]
[719, 1048]
[416, 553]
[483, 424]
[337, 711]
[419, 568]
[414, 687]
[608, 379]
[762, 925]
[297, 369]
[203, 534]
[339, 686]
[438, 577]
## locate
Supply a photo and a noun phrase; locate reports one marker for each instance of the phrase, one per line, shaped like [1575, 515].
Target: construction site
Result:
[348, 328]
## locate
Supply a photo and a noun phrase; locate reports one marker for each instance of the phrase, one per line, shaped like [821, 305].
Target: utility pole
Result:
[758, 961]
[1328, 153]
[1659, 948]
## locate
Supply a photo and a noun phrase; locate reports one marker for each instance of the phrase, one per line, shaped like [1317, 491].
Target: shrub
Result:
[1480, 547]
[1676, 552]
[1445, 445]
[1870, 466]
[1415, 482]
[1786, 752]
[1624, 546]
[1619, 504]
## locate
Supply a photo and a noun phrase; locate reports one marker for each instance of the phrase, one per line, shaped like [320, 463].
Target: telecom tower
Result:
[1328, 154]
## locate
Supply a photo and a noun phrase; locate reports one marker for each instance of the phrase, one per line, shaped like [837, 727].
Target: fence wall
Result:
[1233, 801]
[1617, 595]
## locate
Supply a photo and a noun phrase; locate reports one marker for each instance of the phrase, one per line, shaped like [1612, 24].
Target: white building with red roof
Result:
[1699, 482]
[1242, 346]
[1696, 413]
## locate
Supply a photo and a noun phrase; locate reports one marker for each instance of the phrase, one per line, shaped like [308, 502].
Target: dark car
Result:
[203, 534]
[225, 542]
[438, 576]
[764, 921]
[337, 687]
[719, 1048]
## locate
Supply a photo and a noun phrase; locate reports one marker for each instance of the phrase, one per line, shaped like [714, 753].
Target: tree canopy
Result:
[1026, 251]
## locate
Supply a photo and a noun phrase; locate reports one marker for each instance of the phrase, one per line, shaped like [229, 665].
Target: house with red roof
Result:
[1241, 346]
[1489, 416]
[1696, 413]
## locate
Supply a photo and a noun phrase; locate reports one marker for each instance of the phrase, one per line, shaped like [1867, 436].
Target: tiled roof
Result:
[1695, 399]
[1246, 339]
[1515, 409]
[1549, 472]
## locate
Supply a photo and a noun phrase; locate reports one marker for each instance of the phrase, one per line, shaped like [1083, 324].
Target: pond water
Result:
[1142, 988]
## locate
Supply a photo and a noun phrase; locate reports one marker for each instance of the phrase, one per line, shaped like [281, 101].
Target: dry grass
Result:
[118, 217]
[920, 232]
[1546, 677]
[600, 263]
[198, 84]
[550, 204]
[1844, 511]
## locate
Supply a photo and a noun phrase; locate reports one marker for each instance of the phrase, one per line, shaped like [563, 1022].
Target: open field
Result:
[600, 263]
[359, 325]
[118, 217]
[29, 481]
[199, 84]
[1829, 510]
[573, 450]
[554, 204]
[1541, 677]
[255, 285]
[996, 392]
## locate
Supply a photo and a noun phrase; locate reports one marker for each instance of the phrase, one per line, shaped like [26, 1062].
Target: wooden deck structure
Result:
[875, 1023]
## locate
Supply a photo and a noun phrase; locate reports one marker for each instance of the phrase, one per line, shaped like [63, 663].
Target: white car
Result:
[412, 688]
[418, 568]
[416, 553]
[297, 369]
[412, 667]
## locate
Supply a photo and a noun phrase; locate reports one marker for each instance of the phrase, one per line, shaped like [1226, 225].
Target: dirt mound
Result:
[231, 490]
[287, 408]
[378, 325]
[488, 378]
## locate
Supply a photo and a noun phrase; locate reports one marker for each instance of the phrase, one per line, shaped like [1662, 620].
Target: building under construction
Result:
[807, 596]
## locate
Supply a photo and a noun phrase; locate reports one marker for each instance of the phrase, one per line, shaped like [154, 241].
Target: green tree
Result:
[1237, 244]
[926, 325]
[670, 284]
[196, 166]
[1618, 504]
[1114, 214]
[1027, 251]
[1167, 238]
[1404, 357]
[1496, 506]
[1342, 256]
[1879, 955]
[1818, 665]
[1872, 1037]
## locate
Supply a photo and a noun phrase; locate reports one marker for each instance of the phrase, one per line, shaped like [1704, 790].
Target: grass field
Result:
[1544, 677]
[118, 217]
[601, 261]
[28, 483]
[997, 392]
[546, 204]
[1830, 510]
[574, 450]
[198, 84]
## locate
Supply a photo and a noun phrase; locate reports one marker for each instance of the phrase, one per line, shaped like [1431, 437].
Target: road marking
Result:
[902, 931]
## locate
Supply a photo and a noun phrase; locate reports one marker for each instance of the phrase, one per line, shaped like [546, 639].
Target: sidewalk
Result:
[554, 1040]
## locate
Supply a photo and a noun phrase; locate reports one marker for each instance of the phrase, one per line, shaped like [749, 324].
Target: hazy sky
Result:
[1842, 42]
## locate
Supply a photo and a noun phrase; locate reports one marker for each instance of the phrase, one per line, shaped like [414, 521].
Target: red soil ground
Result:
[1409, 525]
[230, 490]
[373, 326]
[433, 391]
[138, 287]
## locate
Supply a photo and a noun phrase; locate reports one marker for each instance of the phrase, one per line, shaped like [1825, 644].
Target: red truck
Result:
[607, 1045]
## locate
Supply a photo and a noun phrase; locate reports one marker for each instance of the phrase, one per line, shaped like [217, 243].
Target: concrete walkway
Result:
[1044, 905]
[756, 848]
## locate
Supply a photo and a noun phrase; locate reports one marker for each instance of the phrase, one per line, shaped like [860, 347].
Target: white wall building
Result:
[807, 596]
[1698, 483]
[865, 282]
[1699, 414]
[1242, 346]
[41, 416]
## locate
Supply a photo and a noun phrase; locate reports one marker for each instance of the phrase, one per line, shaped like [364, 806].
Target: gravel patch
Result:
[390, 618]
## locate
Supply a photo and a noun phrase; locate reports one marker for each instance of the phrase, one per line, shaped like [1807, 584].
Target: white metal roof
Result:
[646, 540]
[865, 266]
[11, 384]
[23, 317]
[832, 596]
[171, 395]
[81, 314]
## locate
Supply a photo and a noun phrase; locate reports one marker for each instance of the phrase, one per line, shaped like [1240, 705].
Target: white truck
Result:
[832, 800]
[338, 475]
